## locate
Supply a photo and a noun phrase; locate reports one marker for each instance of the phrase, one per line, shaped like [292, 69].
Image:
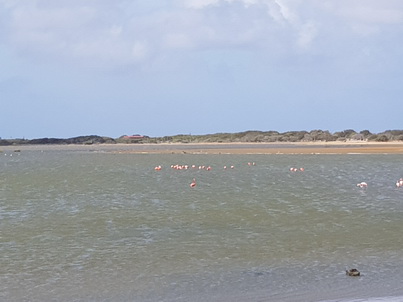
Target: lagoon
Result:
[82, 224]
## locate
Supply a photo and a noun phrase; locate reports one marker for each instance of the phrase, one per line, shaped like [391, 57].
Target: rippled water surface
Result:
[94, 226]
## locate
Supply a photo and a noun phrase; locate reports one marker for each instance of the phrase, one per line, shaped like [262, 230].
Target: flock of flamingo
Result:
[363, 184]
[292, 169]
[207, 168]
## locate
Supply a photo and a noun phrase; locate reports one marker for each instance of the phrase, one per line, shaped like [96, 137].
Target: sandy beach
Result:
[276, 148]
[229, 148]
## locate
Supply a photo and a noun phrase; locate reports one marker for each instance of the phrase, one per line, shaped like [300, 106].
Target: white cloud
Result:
[177, 40]
[115, 30]
[281, 12]
[199, 4]
[139, 50]
[122, 32]
[379, 12]
[369, 17]
[306, 35]
[71, 31]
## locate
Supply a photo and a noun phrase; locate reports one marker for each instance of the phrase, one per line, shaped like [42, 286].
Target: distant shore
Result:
[274, 148]
[358, 147]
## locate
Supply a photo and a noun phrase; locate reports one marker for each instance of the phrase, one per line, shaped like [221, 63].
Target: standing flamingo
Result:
[362, 185]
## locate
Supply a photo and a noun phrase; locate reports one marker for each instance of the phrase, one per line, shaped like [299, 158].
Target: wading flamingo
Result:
[362, 185]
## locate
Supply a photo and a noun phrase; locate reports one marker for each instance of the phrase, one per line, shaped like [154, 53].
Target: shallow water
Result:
[95, 226]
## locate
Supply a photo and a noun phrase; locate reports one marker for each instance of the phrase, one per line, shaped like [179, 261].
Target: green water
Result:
[99, 226]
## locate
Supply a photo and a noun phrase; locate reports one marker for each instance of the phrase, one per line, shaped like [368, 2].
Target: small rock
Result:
[353, 272]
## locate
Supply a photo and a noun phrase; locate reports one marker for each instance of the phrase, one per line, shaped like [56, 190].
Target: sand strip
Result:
[228, 148]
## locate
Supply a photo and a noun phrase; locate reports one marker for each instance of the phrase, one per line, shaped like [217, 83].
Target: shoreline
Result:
[354, 147]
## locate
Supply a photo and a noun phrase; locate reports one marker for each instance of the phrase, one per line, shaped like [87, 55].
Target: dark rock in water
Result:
[353, 272]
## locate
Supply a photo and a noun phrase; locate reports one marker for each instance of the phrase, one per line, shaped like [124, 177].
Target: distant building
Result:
[134, 136]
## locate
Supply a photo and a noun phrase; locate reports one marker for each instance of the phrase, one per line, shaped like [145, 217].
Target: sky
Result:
[165, 67]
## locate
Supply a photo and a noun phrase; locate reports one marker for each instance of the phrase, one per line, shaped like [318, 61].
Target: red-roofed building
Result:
[135, 136]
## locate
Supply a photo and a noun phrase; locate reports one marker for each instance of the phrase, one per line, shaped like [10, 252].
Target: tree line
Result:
[289, 136]
[242, 137]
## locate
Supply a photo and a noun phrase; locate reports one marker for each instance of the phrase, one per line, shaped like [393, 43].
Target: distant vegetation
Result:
[80, 140]
[241, 137]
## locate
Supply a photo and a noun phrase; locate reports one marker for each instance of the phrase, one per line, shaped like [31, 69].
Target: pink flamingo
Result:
[362, 185]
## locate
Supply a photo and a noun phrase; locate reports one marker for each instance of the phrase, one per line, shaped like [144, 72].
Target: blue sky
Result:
[165, 67]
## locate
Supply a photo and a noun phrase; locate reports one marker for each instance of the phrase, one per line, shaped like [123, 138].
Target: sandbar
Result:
[229, 148]
[273, 148]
